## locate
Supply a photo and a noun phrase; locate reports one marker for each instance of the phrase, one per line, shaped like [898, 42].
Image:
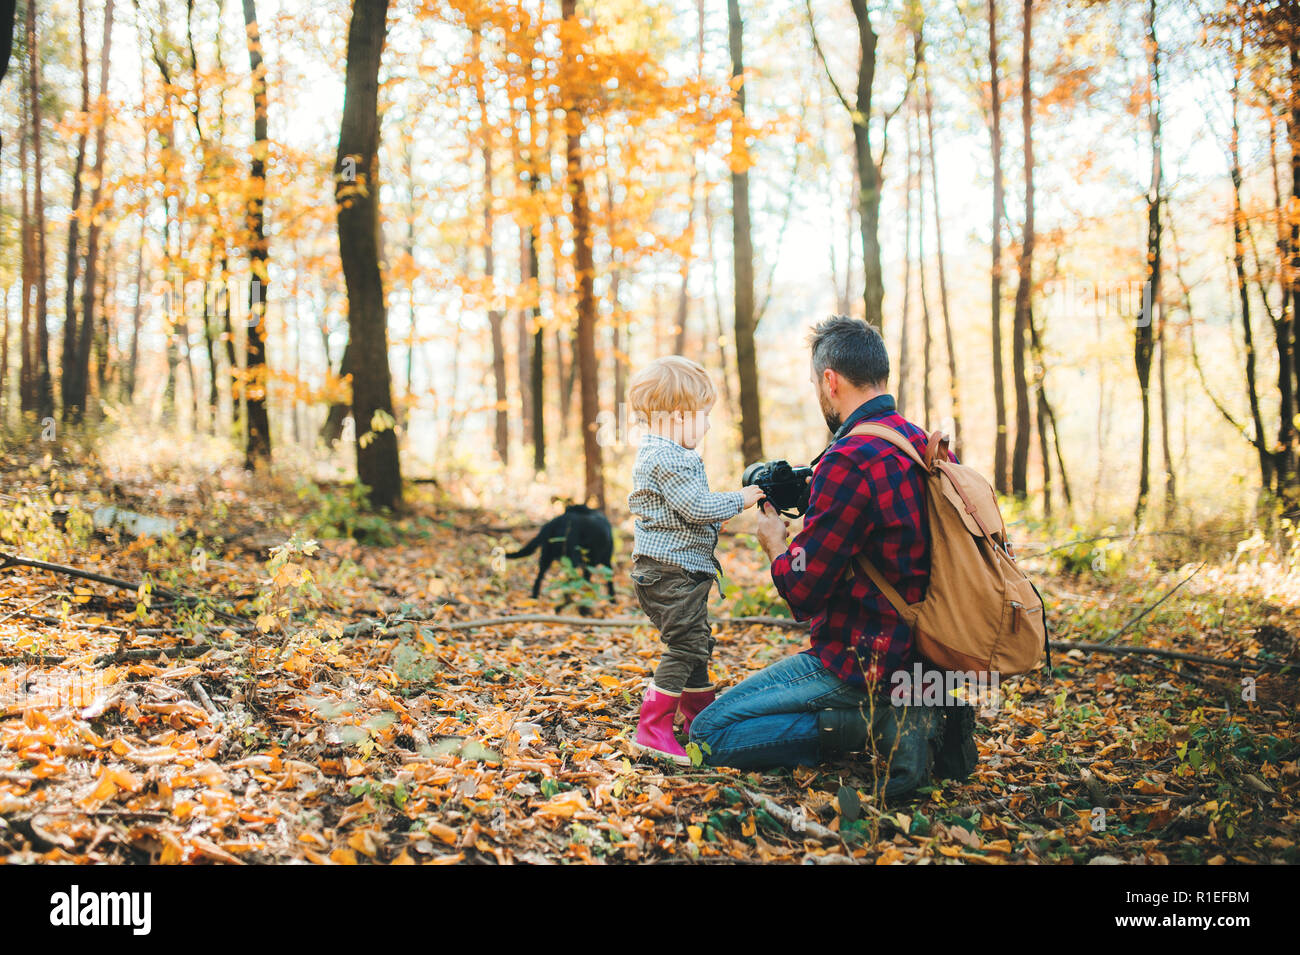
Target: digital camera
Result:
[785, 487]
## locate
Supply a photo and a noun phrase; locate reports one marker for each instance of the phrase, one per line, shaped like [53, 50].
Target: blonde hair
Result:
[669, 384]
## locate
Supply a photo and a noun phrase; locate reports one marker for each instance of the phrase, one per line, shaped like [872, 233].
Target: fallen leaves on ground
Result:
[289, 739]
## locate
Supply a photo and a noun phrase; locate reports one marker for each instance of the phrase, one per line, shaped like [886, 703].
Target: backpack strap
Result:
[894, 437]
[885, 587]
[936, 448]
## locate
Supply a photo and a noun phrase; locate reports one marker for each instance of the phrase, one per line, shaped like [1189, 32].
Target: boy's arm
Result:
[687, 492]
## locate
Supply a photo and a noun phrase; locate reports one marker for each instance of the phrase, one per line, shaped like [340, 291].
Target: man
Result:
[866, 497]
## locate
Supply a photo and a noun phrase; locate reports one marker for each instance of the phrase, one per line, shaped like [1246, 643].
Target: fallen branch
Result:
[205, 701]
[797, 824]
[1146, 610]
[125, 813]
[1172, 654]
[541, 618]
[1095, 790]
[35, 659]
[185, 652]
[1028, 555]
[34, 603]
[404, 624]
[60, 622]
[11, 560]
[1157, 665]
[980, 807]
[831, 859]
[402, 627]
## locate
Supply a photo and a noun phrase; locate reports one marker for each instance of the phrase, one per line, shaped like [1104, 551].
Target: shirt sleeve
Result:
[686, 490]
[838, 520]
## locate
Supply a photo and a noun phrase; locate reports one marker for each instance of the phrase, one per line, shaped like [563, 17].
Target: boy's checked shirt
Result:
[677, 516]
[866, 496]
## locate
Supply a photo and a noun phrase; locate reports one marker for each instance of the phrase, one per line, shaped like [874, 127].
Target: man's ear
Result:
[832, 382]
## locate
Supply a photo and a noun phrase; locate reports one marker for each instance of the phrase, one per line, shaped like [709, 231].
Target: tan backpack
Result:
[980, 612]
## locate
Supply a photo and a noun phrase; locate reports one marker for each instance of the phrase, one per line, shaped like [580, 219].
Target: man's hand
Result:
[771, 531]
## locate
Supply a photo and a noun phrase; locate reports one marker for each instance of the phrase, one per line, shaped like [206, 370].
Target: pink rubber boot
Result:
[692, 703]
[654, 728]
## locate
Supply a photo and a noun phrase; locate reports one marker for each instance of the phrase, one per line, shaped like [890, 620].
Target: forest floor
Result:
[308, 703]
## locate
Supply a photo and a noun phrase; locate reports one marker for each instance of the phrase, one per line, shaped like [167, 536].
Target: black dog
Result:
[581, 534]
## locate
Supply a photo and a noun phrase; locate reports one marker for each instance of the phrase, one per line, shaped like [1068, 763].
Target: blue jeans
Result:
[782, 716]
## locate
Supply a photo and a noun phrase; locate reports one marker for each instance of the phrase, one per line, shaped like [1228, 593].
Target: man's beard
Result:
[833, 419]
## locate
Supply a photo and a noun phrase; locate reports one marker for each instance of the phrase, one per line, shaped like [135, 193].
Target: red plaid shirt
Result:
[866, 497]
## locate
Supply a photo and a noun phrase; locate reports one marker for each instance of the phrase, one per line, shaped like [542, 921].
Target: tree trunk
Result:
[617, 320]
[618, 340]
[564, 383]
[332, 430]
[42, 385]
[255, 385]
[1288, 354]
[93, 233]
[1144, 336]
[355, 174]
[189, 366]
[4, 362]
[522, 339]
[850, 208]
[137, 311]
[1020, 458]
[496, 318]
[953, 391]
[927, 334]
[537, 376]
[905, 319]
[167, 162]
[537, 371]
[1044, 451]
[684, 294]
[873, 289]
[583, 265]
[995, 297]
[232, 362]
[408, 161]
[1047, 419]
[523, 365]
[1171, 487]
[719, 331]
[451, 429]
[221, 253]
[26, 393]
[295, 403]
[751, 428]
[210, 344]
[72, 384]
[1293, 270]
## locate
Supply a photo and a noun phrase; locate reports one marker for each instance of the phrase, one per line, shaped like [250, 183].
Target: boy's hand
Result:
[752, 495]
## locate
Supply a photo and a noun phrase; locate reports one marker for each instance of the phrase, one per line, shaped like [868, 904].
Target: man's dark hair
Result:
[851, 348]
